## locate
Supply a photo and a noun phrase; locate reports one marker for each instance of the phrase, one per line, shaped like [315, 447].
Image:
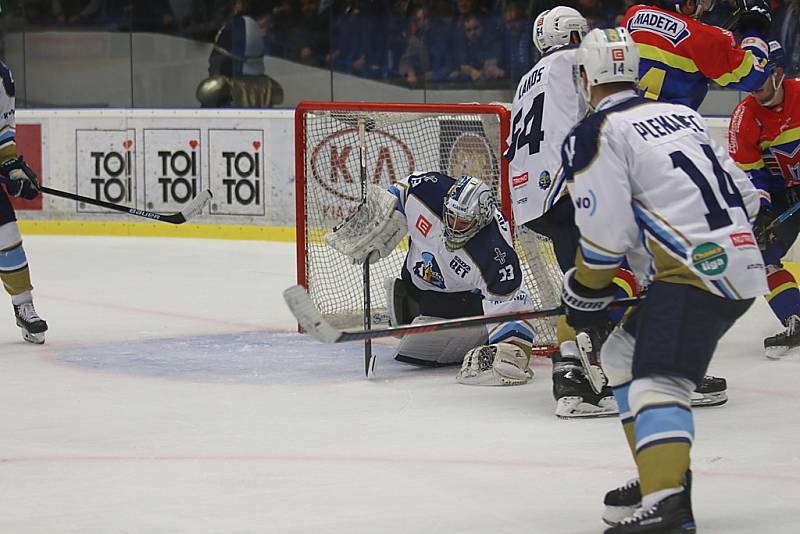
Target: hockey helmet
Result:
[702, 5]
[607, 56]
[555, 26]
[468, 208]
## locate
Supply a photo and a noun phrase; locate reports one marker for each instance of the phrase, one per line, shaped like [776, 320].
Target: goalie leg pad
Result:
[500, 364]
[402, 301]
[436, 349]
[616, 357]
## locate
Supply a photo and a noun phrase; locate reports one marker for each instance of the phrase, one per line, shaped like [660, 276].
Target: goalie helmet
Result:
[607, 56]
[555, 26]
[468, 208]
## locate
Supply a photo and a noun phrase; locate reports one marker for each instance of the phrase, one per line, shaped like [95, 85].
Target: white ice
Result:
[173, 396]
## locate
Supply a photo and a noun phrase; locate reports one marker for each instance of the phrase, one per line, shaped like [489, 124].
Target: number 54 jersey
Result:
[546, 105]
[646, 174]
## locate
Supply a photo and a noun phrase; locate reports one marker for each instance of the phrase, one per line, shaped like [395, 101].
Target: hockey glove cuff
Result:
[585, 308]
[765, 235]
[20, 179]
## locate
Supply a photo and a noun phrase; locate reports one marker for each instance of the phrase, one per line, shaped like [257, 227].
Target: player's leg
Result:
[15, 274]
[410, 305]
[674, 335]
[784, 296]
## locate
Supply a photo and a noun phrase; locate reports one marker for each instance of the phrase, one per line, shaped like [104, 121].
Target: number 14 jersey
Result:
[546, 105]
[644, 173]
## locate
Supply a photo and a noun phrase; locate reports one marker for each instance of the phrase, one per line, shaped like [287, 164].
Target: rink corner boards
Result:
[137, 229]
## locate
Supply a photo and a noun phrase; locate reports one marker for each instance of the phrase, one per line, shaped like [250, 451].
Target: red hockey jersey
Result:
[766, 141]
[679, 55]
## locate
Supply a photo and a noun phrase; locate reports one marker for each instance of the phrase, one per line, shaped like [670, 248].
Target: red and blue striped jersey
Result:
[766, 141]
[680, 55]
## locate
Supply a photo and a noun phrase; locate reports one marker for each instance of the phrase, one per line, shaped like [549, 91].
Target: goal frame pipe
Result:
[300, 134]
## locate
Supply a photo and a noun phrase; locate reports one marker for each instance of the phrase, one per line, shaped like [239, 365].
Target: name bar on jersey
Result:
[667, 124]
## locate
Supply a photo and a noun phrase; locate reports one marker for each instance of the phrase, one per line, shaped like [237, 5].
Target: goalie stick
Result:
[193, 208]
[312, 321]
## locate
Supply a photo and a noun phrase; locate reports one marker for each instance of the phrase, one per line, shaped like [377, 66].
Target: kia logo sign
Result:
[335, 165]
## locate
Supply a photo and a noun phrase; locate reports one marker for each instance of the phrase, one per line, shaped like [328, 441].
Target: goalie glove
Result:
[375, 227]
[584, 307]
[20, 179]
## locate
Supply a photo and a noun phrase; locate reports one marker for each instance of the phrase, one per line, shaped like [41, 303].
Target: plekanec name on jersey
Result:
[667, 124]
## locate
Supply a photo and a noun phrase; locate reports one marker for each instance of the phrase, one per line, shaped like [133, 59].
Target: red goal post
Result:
[454, 139]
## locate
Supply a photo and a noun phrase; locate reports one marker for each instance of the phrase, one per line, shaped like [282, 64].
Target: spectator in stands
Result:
[427, 58]
[360, 39]
[305, 34]
[477, 54]
[152, 16]
[77, 11]
[518, 50]
[786, 29]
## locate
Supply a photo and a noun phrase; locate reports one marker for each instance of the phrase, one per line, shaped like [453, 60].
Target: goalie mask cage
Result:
[454, 139]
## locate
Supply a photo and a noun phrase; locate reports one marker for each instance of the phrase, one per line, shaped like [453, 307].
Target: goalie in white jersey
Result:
[460, 263]
[646, 176]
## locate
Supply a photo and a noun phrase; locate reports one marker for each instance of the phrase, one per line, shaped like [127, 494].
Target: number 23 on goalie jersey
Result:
[546, 105]
[643, 173]
[487, 263]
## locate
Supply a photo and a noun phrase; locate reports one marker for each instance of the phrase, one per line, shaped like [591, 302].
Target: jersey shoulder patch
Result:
[582, 143]
[430, 188]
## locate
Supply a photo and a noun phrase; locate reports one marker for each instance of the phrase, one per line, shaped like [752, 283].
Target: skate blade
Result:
[702, 400]
[778, 353]
[575, 408]
[613, 515]
[35, 338]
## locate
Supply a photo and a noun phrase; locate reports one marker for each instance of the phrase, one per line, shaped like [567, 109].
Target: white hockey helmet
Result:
[468, 208]
[555, 26]
[607, 56]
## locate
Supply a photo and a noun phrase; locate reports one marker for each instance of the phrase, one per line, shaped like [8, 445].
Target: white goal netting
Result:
[400, 139]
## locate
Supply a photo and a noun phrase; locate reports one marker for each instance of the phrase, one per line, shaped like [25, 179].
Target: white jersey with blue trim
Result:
[546, 106]
[645, 173]
[487, 264]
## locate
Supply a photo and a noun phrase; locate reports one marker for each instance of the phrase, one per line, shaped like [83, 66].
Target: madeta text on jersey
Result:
[669, 27]
[662, 125]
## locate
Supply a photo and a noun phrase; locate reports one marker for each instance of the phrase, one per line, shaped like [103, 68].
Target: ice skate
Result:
[575, 397]
[779, 345]
[671, 515]
[33, 327]
[622, 502]
[712, 391]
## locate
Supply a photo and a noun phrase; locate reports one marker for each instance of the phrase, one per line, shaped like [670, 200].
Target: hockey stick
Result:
[369, 356]
[193, 208]
[312, 321]
[784, 216]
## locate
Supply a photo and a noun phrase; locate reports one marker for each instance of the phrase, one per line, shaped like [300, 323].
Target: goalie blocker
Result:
[460, 263]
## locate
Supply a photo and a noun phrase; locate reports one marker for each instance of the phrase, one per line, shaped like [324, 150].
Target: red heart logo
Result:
[127, 143]
[193, 143]
[256, 144]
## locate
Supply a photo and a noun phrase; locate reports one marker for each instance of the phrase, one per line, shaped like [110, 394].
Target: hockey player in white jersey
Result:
[546, 105]
[648, 176]
[460, 262]
[20, 181]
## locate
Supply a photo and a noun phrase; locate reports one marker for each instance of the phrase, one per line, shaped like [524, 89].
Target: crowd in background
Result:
[414, 42]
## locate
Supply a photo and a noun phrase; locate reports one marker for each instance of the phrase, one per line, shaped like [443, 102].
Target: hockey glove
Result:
[584, 307]
[20, 179]
[754, 17]
[765, 235]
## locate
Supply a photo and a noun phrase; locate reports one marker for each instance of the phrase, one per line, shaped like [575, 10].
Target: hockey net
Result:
[454, 139]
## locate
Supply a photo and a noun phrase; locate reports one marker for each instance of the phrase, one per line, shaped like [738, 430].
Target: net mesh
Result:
[398, 143]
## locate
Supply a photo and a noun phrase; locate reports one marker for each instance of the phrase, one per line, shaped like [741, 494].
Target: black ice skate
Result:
[779, 345]
[33, 327]
[712, 391]
[672, 515]
[575, 397]
[623, 501]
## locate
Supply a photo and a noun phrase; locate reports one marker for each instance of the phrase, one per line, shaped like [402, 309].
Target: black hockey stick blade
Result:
[193, 208]
[312, 321]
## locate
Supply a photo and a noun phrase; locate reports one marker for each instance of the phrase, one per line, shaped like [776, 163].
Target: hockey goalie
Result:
[460, 263]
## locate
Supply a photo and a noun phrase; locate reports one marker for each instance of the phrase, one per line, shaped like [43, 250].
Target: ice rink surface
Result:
[172, 396]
